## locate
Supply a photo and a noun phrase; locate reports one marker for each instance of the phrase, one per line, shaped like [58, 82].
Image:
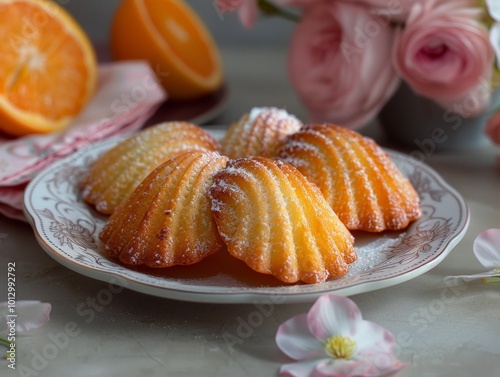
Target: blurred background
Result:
[95, 17]
[261, 81]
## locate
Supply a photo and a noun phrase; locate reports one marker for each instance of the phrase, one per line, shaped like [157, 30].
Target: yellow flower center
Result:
[340, 347]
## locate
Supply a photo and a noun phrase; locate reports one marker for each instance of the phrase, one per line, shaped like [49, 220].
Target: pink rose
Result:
[444, 54]
[339, 62]
[247, 10]
[493, 128]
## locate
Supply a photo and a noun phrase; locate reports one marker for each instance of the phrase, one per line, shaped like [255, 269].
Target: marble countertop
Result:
[441, 330]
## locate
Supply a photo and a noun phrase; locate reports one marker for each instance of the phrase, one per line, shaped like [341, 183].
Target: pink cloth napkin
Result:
[127, 95]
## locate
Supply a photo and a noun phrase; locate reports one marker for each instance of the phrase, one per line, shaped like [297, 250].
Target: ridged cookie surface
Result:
[258, 133]
[115, 174]
[167, 220]
[357, 177]
[278, 223]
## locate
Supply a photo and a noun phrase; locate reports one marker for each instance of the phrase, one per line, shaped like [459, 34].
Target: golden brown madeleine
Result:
[357, 177]
[115, 174]
[277, 222]
[167, 220]
[258, 133]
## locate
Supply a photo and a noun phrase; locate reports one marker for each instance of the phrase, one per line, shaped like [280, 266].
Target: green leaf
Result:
[272, 10]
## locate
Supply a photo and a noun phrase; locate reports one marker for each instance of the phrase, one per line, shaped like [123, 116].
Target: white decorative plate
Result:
[67, 229]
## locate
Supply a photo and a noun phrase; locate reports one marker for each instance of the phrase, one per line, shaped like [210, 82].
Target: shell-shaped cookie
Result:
[357, 177]
[116, 173]
[277, 222]
[167, 220]
[258, 133]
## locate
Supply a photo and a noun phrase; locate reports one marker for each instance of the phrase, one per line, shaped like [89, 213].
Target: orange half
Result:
[47, 67]
[173, 39]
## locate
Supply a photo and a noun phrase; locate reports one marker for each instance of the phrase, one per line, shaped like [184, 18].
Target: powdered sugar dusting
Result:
[370, 248]
[258, 132]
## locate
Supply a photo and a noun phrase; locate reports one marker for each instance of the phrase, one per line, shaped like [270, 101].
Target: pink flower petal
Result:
[344, 368]
[296, 341]
[467, 278]
[371, 337]
[30, 314]
[494, 9]
[247, 12]
[301, 368]
[385, 363]
[332, 315]
[372, 365]
[487, 248]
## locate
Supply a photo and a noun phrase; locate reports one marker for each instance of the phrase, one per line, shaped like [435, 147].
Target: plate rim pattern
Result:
[59, 216]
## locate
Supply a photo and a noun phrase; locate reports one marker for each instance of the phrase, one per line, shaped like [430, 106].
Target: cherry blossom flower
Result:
[486, 248]
[333, 340]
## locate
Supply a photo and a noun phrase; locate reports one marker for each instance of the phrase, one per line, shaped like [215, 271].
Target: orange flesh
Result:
[44, 70]
[181, 35]
[171, 37]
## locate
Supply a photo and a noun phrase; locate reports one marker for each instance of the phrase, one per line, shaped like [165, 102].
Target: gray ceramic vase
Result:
[418, 123]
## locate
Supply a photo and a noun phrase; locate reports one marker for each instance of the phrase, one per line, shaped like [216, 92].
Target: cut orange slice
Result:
[173, 39]
[47, 67]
